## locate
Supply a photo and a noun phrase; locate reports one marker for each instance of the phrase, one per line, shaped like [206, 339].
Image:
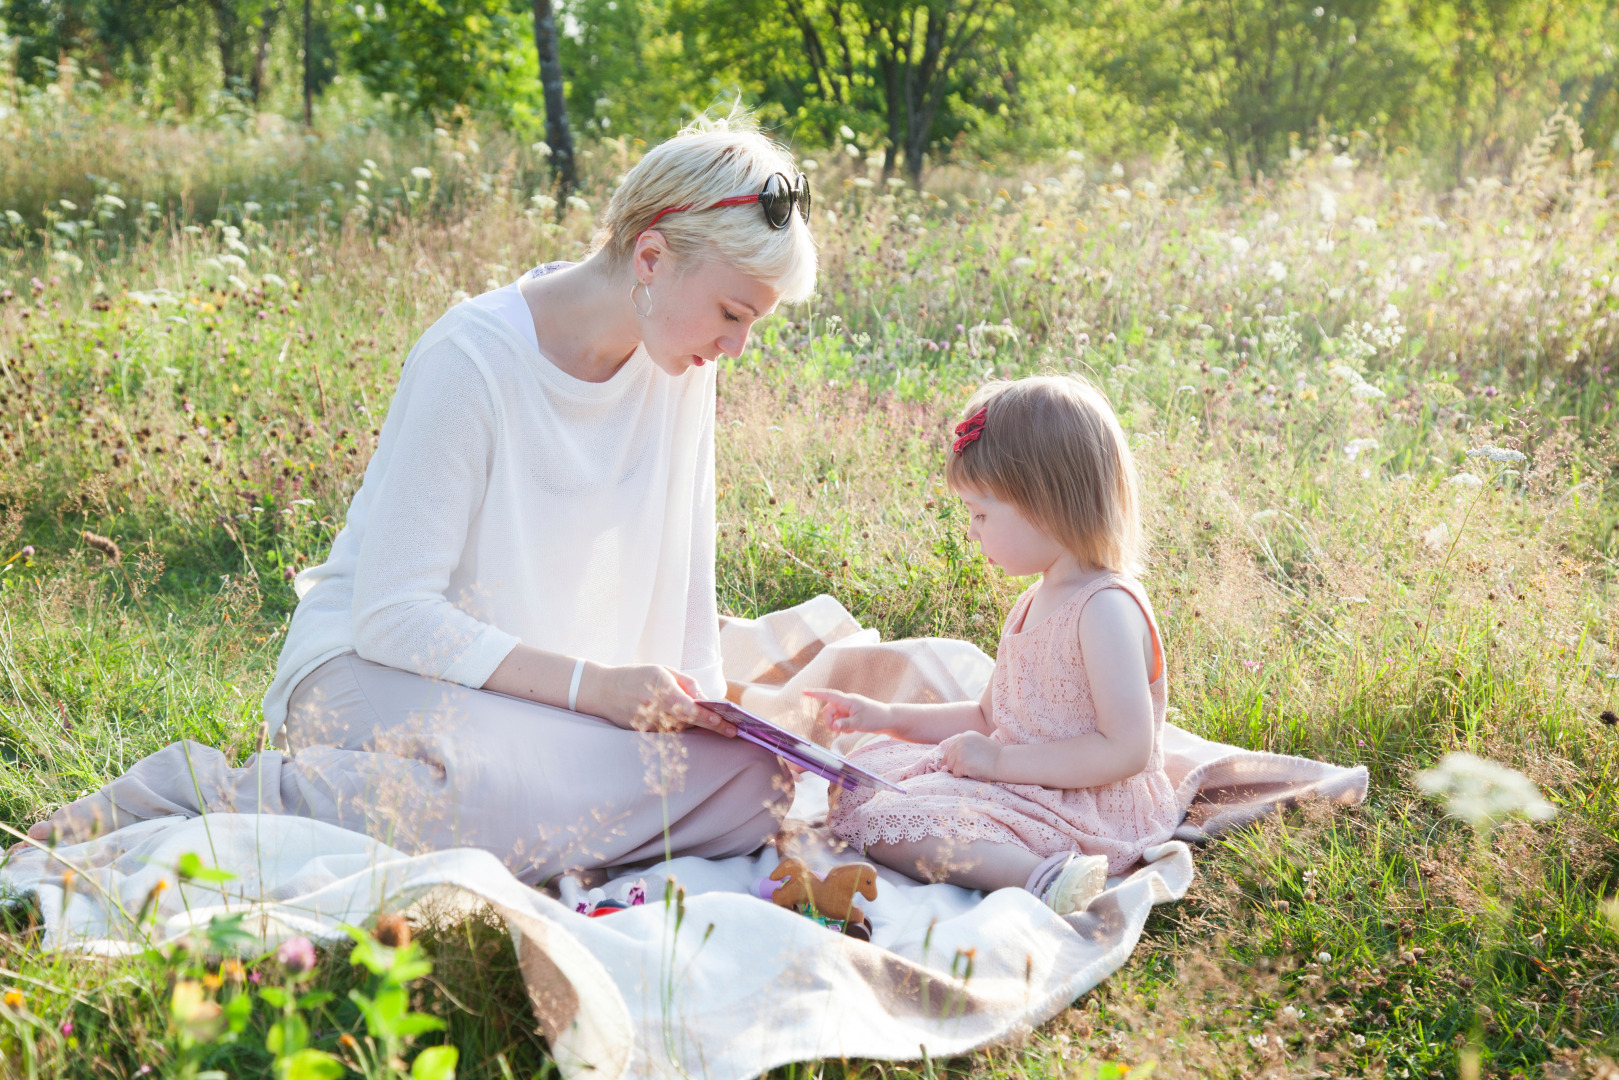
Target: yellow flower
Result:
[13, 997]
[212, 981]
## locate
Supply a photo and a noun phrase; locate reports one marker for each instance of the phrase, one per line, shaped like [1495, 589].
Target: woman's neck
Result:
[583, 318]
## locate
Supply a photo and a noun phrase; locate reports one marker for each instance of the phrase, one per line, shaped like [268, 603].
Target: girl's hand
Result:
[972, 755]
[853, 712]
[646, 697]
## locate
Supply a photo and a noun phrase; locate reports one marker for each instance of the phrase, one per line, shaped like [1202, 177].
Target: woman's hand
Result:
[646, 697]
[853, 712]
[972, 755]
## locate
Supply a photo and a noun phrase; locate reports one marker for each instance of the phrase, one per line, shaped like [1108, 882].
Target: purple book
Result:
[800, 751]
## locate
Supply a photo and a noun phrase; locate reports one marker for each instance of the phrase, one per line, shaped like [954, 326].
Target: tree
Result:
[920, 67]
[557, 133]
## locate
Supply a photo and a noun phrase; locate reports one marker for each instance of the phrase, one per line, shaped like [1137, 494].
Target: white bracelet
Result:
[573, 687]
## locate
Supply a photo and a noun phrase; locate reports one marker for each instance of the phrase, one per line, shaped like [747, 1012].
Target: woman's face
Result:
[700, 313]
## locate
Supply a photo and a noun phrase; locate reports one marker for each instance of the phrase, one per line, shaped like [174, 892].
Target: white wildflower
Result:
[1343, 162]
[1122, 195]
[1292, 1015]
[1117, 172]
[852, 150]
[1022, 262]
[422, 172]
[14, 218]
[251, 207]
[1261, 516]
[1365, 224]
[543, 201]
[577, 203]
[1464, 480]
[1437, 538]
[1240, 246]
[863, 182]
[1497, 453]
[1344, 373]
[1366, 392]
[1276, 271]
[899, 182]
[237, 283]
[68, 259]
[541, 148]
[1324, 246]
[1354, 448]
[113, 200]
[272, 281]
[809, 164]
[153, 297]
[847, 132]
[1324, 957]
[1483, 792]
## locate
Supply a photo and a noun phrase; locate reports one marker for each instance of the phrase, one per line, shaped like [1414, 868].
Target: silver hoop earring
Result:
[641, 285]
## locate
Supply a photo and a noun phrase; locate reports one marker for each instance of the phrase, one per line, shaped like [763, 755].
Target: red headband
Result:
[969, 429]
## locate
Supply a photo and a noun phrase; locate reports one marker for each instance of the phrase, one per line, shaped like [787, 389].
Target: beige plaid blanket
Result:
[721, 985]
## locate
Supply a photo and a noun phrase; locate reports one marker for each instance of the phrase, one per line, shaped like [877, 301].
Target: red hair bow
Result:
[969, 429]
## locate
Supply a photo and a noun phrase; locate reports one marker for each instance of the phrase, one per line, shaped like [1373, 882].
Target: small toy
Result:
[597, 903]
[830, 900]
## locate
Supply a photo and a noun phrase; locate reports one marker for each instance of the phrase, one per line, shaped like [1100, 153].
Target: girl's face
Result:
[1007, 538]
[699, 314]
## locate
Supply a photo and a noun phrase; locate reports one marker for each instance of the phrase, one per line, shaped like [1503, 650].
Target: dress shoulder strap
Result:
[1134, 589]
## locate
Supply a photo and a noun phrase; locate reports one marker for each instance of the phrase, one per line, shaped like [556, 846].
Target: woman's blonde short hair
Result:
[713, 159]
[1052, 447]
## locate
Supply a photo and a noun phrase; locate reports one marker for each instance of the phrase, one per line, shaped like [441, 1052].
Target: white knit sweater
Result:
[509, 502]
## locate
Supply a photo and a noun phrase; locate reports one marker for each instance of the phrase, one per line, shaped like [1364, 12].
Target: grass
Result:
[1303, 368]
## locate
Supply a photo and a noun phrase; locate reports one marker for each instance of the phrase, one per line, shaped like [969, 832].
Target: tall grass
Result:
[1308, 371]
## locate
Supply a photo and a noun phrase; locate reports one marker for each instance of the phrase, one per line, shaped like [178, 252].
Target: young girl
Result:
[1055, 777]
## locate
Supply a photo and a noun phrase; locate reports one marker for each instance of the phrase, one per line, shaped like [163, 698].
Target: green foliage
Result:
[436, 56]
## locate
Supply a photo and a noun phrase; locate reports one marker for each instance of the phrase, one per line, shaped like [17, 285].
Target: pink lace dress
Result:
[1041, 695]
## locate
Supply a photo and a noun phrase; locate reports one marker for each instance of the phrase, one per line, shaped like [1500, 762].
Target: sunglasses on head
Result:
[778, 199]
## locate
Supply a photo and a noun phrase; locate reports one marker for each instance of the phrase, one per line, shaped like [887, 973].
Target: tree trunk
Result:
[261, 56]
[225, 38]
[309, 74]
[557, 133]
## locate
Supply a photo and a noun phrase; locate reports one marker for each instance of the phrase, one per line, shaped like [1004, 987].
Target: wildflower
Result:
[577, 203]
[1342, 162]
[895, 182]
[863, 182]
[66, 1027]
[1365, 224]
[1366, 392]
[1261, 516]
[1276, 270]
[1239, 246]
[543, 201]
[297, 954]
[1354, 448]
[1324, 957]
[422, 172]
[1292, 1015]
[1483, 792]
[27, 551]
[1437, 537]
[847, 132]
[212, 981]
[251, 207]
[65, 205]
[1464, 480]
[1496, 453]
[272, 281]
[1022, 262]
[13, 998]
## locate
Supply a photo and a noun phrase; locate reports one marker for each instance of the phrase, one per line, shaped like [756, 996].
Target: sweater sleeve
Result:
[428, 491]
[701, 656]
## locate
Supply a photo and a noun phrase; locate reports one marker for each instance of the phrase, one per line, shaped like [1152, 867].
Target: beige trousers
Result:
[422, 764]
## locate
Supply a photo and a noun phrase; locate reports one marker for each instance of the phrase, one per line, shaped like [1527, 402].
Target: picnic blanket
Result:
[718, 984]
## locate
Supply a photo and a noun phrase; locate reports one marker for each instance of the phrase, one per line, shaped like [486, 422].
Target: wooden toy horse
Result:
[832, 896]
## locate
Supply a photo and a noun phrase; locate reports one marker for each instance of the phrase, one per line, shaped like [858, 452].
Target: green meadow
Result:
[1375, 421]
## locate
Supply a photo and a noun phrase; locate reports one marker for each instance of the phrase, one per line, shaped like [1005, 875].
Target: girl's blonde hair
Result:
[712, 159]
[1052, 447]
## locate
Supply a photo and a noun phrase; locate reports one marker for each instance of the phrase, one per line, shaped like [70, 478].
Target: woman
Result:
[526, 575]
